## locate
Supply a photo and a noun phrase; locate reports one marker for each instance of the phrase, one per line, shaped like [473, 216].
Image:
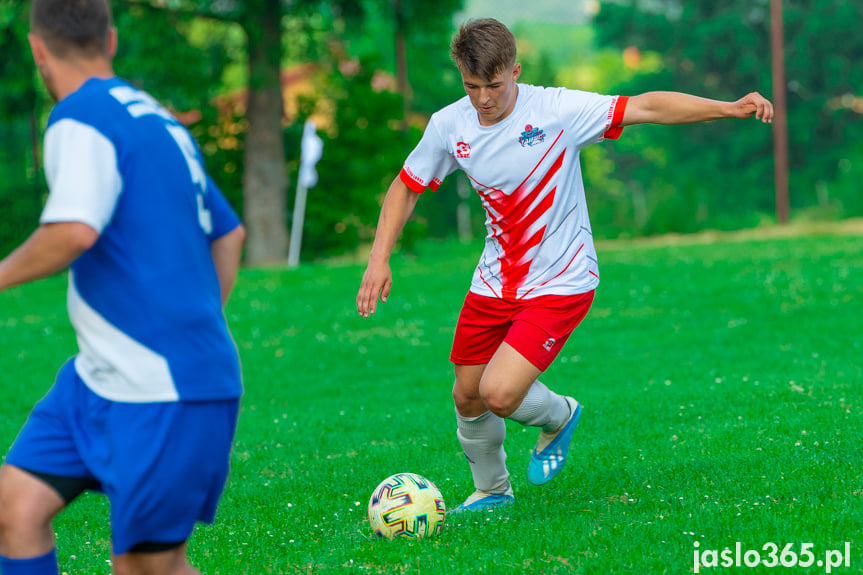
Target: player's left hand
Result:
[753, 104]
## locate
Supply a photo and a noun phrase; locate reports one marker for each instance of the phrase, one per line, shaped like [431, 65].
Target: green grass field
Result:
[723, 403]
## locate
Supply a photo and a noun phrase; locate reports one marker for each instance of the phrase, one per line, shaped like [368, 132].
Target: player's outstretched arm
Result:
[227, 251]
[678, 108]
[48, 250]
[398, 206]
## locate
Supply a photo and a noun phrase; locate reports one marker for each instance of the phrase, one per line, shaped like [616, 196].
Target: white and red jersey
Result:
[527, 171]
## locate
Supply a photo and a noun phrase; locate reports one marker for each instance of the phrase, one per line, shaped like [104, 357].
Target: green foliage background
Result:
[721, 175]
[21, 186]
[653, 180]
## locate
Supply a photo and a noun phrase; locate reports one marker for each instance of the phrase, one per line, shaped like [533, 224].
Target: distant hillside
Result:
[558, 29]
[561, 43]
[512, 11]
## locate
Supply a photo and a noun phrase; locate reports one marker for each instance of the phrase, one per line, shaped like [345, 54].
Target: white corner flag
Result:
[312, 148]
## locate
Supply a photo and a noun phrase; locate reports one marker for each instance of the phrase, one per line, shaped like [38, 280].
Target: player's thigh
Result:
[167, 470]
[542, 327]
[26, 496]
[506, 380]
[43, 470]
[482, 325]
[170, 562]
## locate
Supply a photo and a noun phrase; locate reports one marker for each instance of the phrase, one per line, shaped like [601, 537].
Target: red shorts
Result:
[537, 328]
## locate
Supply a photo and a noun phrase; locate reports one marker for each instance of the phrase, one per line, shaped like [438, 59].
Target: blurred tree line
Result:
[370, 72]
[244, 75]
[659, 179]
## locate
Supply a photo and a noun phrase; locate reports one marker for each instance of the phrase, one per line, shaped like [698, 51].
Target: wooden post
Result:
[780, 117]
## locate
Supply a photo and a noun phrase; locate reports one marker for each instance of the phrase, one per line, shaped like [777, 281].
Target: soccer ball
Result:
[406, 504]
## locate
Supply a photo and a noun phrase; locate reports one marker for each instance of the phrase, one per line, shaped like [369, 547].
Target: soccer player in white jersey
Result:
[519, 145]
[146, 411]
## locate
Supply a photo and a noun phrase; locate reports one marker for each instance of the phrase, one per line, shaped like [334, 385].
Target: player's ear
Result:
[37, 48]
[516, 71]
[112, 43]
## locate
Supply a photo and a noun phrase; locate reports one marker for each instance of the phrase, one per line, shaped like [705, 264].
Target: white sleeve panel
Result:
[83, 178]
[587, 115]
[430, 162]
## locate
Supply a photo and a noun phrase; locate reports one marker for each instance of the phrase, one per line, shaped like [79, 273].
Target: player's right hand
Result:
[377, 281]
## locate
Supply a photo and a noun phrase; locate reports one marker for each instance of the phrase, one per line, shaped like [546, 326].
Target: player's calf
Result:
[171, 562]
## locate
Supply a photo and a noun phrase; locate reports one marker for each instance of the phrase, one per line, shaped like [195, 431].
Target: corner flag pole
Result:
[297, 223]
[312, 149]
[780, 118]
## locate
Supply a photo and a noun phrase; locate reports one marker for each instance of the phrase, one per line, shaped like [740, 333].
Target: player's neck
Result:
[511, 106]
[505, 114]
[72, 74]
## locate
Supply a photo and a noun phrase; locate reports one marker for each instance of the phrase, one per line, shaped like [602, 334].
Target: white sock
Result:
[481, 439]
[542, 408]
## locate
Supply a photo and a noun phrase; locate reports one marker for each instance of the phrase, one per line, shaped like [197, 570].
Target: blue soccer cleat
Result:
[549, 456]
[485, 501]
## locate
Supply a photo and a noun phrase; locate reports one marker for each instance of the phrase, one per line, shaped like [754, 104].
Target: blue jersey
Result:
[145, 300]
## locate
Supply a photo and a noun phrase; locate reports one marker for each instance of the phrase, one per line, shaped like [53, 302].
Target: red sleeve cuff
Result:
[416, 184]
[411, 181]
[614, 129]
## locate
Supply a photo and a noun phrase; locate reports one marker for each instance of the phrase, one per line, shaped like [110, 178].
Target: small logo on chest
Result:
[531, 136]
[462, 150]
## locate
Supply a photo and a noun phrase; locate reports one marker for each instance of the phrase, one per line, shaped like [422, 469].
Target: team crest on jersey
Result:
[462, 150]
[531, 136]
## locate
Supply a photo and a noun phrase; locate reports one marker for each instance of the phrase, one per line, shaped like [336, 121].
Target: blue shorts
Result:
[163, 466]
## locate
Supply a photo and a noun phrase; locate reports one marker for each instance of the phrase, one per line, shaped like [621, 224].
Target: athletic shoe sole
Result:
[488, 503]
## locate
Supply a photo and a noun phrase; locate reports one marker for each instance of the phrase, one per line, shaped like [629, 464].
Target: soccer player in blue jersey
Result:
[146, 411]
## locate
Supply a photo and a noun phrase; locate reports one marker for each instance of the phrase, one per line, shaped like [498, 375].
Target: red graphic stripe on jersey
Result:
[544, 156]
[615, 116]
[558, 275]
[593, 274]
[494, 291]
[512, 217]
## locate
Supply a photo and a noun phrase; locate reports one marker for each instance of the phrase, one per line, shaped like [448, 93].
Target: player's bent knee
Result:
[23, 534]
[19, 516]
[468, 405]
[500, 404]
[464, 402]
